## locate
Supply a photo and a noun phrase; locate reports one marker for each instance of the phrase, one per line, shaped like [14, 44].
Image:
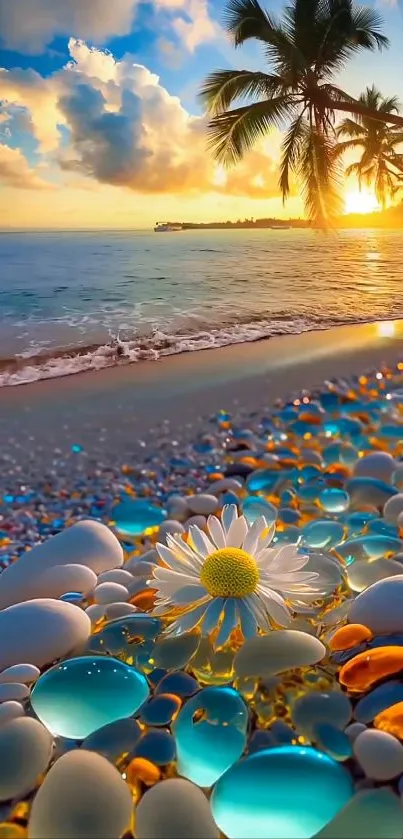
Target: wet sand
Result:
[115, 412]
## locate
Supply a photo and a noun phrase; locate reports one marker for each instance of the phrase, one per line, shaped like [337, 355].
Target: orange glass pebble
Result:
[144, 600]
[391, 720]
[140, 769]
[365, 669]
[350, 635]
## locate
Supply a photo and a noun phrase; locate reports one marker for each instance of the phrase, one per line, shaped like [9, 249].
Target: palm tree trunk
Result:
[356, 108]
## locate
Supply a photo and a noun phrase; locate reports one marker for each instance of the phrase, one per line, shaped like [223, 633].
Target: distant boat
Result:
[167, 227]
[280, 227]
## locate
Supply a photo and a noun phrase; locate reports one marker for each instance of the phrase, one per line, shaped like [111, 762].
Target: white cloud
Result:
[31, 25]
[121, 127]
[16, 172]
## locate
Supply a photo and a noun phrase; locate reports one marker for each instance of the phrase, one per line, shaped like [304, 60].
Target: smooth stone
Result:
[88, 543]
[82, 797]
[143, 569]
[331, 740]
[281, 792]
[25, 752]
[334, 500]
[224, 485]
[95, 612]
[114, 740]
[60, 579]
[11, 711]
[174, 809]
[13, 691]
[321, 707]
[41, 631]
[150, 557]
[378, 700]
[354, 729]
[22, 673]
[267, 655]
[118, 575]
[107, 593]
[176, 652]
[379, 607]
[380, 465]
[253, 507]
[379, 754]
[177, 507]
[368, 815]
[210, 733]
[198, 521]
[80, 695]
[330, 570]
[369, 491]
[322, 534]
[167, 527]
[368, 547]
[362, 573]
[393, 508]
[119, 610]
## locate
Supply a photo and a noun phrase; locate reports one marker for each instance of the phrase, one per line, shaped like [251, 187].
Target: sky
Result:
[100, 122]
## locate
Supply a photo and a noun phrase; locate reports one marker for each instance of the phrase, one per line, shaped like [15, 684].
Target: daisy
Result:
[229, 578]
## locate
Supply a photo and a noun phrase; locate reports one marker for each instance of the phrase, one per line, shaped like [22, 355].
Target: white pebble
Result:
[83, 796]
[354, 729]
[25, 752]
[380, 754]
[267, 655]
[393, 508]
[13, 691]
[59, 579]
[41, 631]
[110, 593]
[169, 526]
[10, 711]
[119, 610]
[119, 575]
[199, 521]
[202, 504]
[379, 607]
[95, 612]
[143, 569]
[23, 673]
[174, 809]
[380, 465]
[225, 485]
[361, 574]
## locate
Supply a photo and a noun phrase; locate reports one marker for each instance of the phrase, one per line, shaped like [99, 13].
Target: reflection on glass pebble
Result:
[80, 695]
[133, 516]
[126, 637]
[331, 740]
[323, 534]
[253, 507]
[210, 734]
[281, 792]
[334, 500]
[262, 480]
[161, 710]
[179, 683]
[176, 652]
[333, 707]
[157, 746]
[114, 740]
[368, 547]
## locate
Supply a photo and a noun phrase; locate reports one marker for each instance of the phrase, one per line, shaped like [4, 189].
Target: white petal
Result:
[188, 594]
[177, 544]
[187, 622]
[259, 610]
[176, 563]
[247, 618]
[294, 578]
[269, 562]
[209, 546]
[229, 513]
[252, 536]
[197, 539]
[265, 539]
[237, 532]
[212, 616]
[275, 605]
[229, 622]
[216, 531]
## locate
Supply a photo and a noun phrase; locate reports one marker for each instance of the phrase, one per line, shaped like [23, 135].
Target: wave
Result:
[33, 366]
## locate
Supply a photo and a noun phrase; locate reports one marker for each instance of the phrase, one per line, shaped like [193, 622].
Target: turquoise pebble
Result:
[114, 739]
[331, 740]
[263, 480]
[370, 547]
[288, 516]
[290, 536]
[283, 792]
[253, 507]
[160, 710]
[314, 707]
[133, 516]
[156, 745]
[80, 695]
[334, 500]
[71, 597]
[322, 533]
[210, 734]
[378, 700]
[178, 683]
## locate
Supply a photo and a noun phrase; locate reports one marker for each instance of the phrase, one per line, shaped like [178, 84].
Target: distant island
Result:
[387, 219]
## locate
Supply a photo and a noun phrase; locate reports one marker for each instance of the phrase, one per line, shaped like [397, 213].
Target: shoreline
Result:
[118, 410]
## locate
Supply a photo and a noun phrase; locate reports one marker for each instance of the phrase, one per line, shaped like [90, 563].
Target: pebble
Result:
[88, 543]
[23, 673]
[224, 485]
[169, 526]
[95, 612]
[277, 652]
[378, 700]
[393, 508]
[354, 729]
[10, 711]
[119, 575]
[199, 521]
[380, 465]
[41, 631]
[380, 755]
[119, 610]
[174, 809]
[369, 667]
[59, 579]
[82, 797]
[321, 707]
[107, 593]
[13, 691]
[25, 752]
[379, 607]
[370, 814]
[362, 574]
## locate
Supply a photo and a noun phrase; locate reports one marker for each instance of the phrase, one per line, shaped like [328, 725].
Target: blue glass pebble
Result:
[71, 597]
[178, 683]
[334, 500]
[331, 740]
[253, 507]
[133, 516]
[378, 700]
[156, 745]
[288, 791]
[322, 533]
[262, 480]
[160, 710]
[77, 697]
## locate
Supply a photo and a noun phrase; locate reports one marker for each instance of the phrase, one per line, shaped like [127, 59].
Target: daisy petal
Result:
[266, 537]
[237, 532]
[258, 609]
[275, 605]
[216, 531]
[176, 563]
[229, 622]
[197, 538]
[252, 536]
[248, 620]
[179, 546]
[212, 615]
[187, 622]
[229, 513]
[188, 594]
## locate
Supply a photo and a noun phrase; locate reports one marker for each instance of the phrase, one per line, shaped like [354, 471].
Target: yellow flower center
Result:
[229, 572]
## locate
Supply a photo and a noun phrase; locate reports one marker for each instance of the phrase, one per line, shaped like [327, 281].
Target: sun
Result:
[363, 201]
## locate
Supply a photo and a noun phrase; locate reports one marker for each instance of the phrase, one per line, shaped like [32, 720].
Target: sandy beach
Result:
[117, 413]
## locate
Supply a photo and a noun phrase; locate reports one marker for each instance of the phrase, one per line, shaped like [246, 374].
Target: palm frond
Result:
[348, 145]
[245, 19]
[223, 87]
[368, 26]
[350, 128]
[233, 133]
[320, 177]
[291, 149]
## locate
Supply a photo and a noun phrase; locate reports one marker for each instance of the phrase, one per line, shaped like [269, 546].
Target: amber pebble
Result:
[367, 668]
[144, 600]
[141, 769]
[349, 636]
[391, 720]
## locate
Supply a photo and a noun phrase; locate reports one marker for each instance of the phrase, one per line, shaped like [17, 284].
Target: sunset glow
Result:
[363, 201]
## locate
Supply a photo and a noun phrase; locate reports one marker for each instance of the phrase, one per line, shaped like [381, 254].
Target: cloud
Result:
[30, 25]
[114, 123]
[16, 172]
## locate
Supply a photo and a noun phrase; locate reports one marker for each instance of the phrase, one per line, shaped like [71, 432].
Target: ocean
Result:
[74, 301]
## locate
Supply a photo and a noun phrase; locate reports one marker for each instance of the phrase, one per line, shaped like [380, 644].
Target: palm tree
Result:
[380, 163]
[305, 49]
